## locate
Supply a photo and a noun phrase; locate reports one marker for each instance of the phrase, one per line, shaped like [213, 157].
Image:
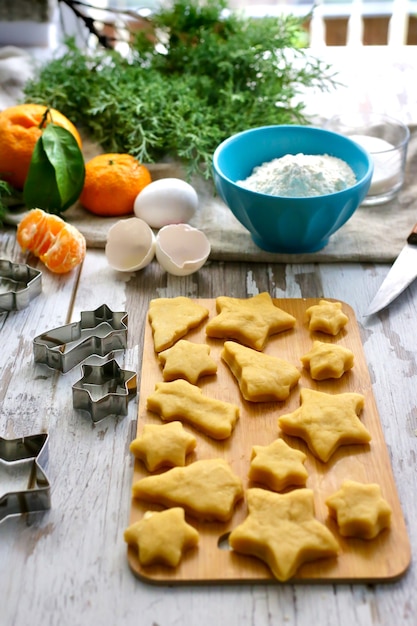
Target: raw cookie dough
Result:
[359, 510]
[187, 360]
[282, 531]
[326, 317]
[250, 321]
[206, 489]
[261, 377]
[327, 360]
[326, 421]
[172, 318]
[278, 466]
[180, 400]
[163, 445]
[162, 537]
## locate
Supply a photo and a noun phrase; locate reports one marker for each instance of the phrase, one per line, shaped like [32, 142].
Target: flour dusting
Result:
[300, 175]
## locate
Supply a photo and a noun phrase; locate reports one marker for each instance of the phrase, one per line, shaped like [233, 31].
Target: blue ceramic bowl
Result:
[287, 224]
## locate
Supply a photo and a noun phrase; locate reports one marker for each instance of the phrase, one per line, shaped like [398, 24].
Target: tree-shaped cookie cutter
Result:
[24, 486]
[19, 284]
[98, 332]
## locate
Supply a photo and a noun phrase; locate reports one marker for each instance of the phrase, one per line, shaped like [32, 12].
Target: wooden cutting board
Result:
[382, 559]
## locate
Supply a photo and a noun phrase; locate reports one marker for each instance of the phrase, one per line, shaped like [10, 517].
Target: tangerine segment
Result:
[66, 252]
[112, 183]
[20, 128]
[60, 246]
[37, 231]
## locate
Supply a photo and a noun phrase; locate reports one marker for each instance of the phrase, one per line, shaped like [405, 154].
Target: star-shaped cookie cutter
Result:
[104, 390]
[98, 332]
[23, 482]
[19, 284]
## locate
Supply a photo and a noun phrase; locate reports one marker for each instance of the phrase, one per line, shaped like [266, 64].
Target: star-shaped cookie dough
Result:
[162, 537]
[187, 360]
[359, 509]
[261, 377]
[172, 318]
[327, 360]
[326, 421]
[282, 531]
[326, 317]
[163, 445]
[250, 321]
[278, 466]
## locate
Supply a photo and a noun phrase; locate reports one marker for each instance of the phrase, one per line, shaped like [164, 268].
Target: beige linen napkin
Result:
[373, 234]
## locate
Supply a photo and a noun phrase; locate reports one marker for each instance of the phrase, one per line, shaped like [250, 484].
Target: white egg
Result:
[130, 245]
[181, 249]
[166, 201]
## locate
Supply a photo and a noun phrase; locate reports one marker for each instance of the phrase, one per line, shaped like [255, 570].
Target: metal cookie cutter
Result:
[104, 390]
[98, 332]
[19, 284]
[23, 480]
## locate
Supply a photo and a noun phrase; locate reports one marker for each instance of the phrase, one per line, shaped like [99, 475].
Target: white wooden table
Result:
[68, 566]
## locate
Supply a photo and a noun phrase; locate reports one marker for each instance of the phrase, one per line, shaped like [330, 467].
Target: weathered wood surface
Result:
[68, 566]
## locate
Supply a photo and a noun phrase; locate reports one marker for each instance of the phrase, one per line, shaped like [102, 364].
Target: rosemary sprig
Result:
[196, 75]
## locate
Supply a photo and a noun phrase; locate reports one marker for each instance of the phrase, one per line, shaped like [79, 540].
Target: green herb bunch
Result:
[197, 74]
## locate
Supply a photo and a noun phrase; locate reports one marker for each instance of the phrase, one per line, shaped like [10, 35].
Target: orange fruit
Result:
[112, 182]
[19, 132]
[59, 245]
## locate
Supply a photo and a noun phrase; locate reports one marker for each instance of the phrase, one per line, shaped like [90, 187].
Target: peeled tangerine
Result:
[60, 246]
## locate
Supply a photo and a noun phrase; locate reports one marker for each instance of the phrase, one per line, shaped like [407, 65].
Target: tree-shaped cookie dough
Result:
[173, 318]
[261, 377]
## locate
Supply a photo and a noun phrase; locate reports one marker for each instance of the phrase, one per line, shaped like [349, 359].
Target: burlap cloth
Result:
[373, 234]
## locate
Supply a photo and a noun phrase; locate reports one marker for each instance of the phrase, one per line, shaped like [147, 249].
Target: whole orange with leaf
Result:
[20, 128]
[112, 182]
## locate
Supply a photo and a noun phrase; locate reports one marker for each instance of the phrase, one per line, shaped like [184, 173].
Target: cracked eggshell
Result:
[181, 249]
[166, 201]
[130, 245]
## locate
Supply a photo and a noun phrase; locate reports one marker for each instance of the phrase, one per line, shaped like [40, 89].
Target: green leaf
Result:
[40, 190]
[56, 173]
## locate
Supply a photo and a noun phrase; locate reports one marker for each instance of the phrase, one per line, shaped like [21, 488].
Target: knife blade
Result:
[400, 276]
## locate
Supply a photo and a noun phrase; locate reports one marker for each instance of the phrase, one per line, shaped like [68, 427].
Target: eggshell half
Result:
[181, 249]
[130, 245]
[166, 201]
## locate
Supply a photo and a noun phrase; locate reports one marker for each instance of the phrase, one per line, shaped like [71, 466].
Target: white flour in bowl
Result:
[301, 175]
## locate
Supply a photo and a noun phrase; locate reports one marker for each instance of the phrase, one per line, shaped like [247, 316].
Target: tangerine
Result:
[59, 245]
[112, 182]
[20, 128]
